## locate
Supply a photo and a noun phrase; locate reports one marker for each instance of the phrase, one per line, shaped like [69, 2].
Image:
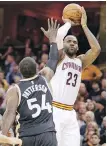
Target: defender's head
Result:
[70, 45]
[27, 67]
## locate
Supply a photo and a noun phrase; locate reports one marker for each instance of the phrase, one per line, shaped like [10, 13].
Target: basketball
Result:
[72, 12]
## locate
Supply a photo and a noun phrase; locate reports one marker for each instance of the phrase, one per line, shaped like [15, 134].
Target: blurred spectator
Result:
[91, 105]
[29, 43]
[83, 91]
[95, 140]
[36, 37]
[10, 62]
[45, 48]
[2, 94]
[82, 108]
[100, 112]
[86, 140]
[7, 41]
[81, 98]
[28, 52]
[91, 73]
[89, 117]
[44, 58]
[95, 92]
[81, 113]
[103, 83]
[103, 95]
[10, 49]
[103, 131]
[4, 83]
[92, 126]
[2, 101]
[41, 66]
[14, 76]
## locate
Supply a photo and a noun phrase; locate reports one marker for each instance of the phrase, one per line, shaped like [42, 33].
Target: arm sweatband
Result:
[62, 32]
[53, 57]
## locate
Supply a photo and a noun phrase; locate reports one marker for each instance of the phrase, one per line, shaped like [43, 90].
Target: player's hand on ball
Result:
[84, 17]
[68, 20]
[51, 33]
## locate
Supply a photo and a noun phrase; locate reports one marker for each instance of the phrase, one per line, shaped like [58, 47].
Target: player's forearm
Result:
[62, 32]
[92, 40]
[53, 56]
[8, 119]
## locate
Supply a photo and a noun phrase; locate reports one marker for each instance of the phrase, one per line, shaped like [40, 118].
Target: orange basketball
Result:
[72, 12]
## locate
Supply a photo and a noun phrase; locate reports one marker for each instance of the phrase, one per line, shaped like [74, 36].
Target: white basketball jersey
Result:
[66, 81]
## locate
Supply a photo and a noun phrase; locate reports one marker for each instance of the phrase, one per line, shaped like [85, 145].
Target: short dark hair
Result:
[96, 134]
[96, 82]
[27, 67]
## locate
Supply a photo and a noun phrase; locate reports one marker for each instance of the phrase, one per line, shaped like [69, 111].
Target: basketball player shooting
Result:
[32, 100]
[67, 79]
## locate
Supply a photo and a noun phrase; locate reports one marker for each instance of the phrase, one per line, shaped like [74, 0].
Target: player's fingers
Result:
[58, 26]
[49, 25]
[43, 30]
[83, 10]
[55, 24]
[52, 23]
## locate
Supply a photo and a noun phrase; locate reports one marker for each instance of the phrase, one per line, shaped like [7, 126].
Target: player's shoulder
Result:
[12, 91]
[80, 57]
[12, 88]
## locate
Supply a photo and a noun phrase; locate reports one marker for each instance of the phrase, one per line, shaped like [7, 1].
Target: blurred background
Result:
[20, 36]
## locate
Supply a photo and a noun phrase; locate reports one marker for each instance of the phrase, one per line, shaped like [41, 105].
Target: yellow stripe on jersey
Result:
[62, 106]
[18, 125]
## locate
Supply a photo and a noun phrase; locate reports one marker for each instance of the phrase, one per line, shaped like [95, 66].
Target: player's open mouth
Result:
[72, 48]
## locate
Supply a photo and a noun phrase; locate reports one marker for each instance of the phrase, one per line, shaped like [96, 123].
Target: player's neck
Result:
[72, 57]
[96, 145]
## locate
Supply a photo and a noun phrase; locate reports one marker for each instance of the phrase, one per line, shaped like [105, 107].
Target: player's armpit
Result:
[9, 116]
[61, 55]
[47, 73]
[88, 58]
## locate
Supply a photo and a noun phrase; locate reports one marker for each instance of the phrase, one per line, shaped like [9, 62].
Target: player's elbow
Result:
[96, 50]
[99, 49]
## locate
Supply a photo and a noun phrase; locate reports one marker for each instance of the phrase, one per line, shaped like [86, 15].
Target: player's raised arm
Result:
[93, 53]
[62, 32]
[51, 34]
[9, 116]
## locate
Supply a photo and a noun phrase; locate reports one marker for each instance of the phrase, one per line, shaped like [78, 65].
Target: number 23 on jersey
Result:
[72, 78]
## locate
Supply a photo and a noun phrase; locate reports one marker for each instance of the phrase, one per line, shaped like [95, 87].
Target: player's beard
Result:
[70, 53]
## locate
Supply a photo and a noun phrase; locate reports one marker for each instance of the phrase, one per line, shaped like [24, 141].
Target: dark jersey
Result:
[35, 108]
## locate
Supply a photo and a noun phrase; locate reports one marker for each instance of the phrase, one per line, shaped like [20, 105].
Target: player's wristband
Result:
[84, 25]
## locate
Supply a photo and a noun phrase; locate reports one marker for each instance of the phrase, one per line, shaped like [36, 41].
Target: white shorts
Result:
[68, 133]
